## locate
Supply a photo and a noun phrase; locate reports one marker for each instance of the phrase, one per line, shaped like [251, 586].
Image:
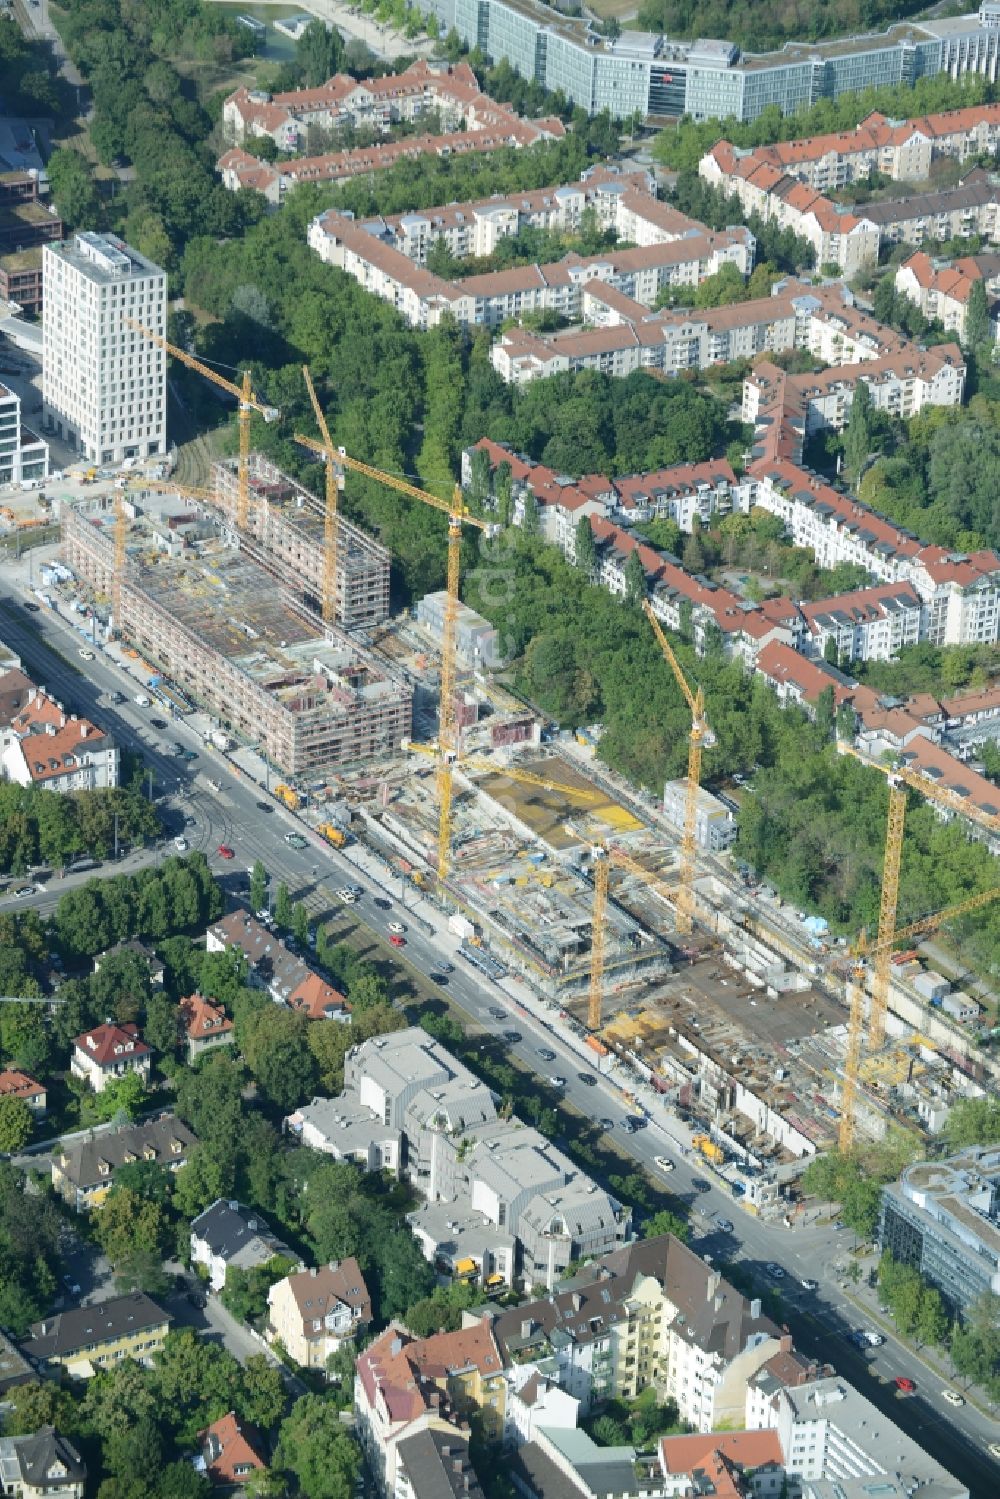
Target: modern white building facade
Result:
[104, 383]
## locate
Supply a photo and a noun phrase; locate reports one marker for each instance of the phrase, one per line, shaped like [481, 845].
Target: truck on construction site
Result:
[336, 837]
[708, 1148]
[287, 795]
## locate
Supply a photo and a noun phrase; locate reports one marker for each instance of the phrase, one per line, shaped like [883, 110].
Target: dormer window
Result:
[104, 1167]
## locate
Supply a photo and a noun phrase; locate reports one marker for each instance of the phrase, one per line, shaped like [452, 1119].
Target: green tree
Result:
[586, 547]
[665, 1222]
[262, 1398]
[503, 490]
[300, 924]
[636, 587]
[15, 1124]
[126, 1224]
[973, 1121]
[314, 1447]
[279, 1057]
[162, 1025]
[977, 317]
[858, 432]
[258, 883]
[283, 909]
[33, 1405]
[125, 1096]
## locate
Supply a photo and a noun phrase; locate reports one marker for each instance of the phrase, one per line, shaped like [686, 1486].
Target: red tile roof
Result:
[317, 999]
[15, 1084]
[411, 1374]
[232, 1449]
[107, 1044]
[202, 1019]
[722, 1457]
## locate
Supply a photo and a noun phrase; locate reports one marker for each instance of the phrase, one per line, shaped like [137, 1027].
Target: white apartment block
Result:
[104, 384]
[871, 624]
[23, 455]
[941, 289]
[58, 751]
[715, 825]
[831, 1435]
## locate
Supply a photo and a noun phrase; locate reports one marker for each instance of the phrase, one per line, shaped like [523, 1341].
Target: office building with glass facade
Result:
[710, 79]
[943, 1218]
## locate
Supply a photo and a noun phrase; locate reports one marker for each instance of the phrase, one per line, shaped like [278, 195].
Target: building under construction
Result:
[287, 521]
[243, 647]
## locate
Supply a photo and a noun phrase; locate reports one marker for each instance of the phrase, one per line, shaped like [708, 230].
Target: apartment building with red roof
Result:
[404, 1385]
[108, 1052]
[48, 747]
[206, 1025]
[17, 1084]
[231, 1452]
[728, 1465]
[941, 289]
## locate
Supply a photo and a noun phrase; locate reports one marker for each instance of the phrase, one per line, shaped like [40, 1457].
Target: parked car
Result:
[71, 1285]
[809, 1285]
[775, 1271]
[23, 891]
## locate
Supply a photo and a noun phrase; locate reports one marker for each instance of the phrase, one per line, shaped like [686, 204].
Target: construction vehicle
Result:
[458, 516]
[287, 795]
[700, 736]
[707, 1148]
[248, 404]
[90, 477]
[335, 836]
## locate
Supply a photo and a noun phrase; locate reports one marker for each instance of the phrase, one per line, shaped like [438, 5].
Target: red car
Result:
[225, 852]
[397, 941]
[906, 1385]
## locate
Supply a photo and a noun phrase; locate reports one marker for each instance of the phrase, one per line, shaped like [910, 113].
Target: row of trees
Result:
[39, 828]
[781, 249]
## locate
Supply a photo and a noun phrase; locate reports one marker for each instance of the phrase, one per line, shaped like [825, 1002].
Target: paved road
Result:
[230, 816]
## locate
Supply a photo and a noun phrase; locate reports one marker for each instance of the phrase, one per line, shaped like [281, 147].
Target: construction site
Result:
[625, 914]
[287, 522]
[246, 649]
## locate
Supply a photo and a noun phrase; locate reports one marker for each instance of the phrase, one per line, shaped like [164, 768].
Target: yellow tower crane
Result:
[899, 778]
[856, 996]
[700, 736]
[458, 516]
[248, 404]
[331, 522]
[602, 857]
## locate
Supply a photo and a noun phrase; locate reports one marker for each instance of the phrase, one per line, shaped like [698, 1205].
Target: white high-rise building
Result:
[104, 384]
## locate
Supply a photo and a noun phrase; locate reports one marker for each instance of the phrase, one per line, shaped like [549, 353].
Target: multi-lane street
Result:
[224, 808]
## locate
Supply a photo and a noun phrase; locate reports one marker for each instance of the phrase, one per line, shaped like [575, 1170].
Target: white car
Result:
[952, 1397]
[347, 896]
[663, 1163]
[397, 928]
[993, 1448]
[86, 655]
[180, 844]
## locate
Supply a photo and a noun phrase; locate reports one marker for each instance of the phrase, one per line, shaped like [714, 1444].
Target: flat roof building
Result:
[943, 1218]
[104, 383]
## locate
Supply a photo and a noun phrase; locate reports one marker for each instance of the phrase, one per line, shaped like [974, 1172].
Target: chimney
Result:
[712, 1285]
[786, 1343]
[755, 1309]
